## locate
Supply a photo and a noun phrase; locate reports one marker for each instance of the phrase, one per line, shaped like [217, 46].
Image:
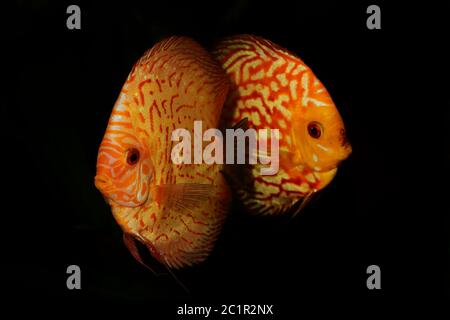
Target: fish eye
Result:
[315, 129]
[132, 156]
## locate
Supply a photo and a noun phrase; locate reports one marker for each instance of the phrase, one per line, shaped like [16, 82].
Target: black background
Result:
[379, 209]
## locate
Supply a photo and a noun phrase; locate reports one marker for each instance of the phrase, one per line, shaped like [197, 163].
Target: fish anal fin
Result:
[131, 246]
[300, 205]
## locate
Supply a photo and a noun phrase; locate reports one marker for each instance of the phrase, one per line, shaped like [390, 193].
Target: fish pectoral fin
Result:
[183, 196]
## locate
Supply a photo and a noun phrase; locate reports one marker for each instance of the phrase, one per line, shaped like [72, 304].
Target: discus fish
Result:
[275, 89]
[175, 210]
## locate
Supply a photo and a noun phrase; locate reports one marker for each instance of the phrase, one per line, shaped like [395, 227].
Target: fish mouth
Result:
[344, 139]
[103, 184]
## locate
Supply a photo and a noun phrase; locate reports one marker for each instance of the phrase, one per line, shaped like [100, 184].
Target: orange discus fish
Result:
[274, 89]
[176, 210]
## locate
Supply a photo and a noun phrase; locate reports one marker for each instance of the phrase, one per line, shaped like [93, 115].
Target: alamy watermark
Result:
[257, 150]
[374, 280]
[374, 20]
[74, 279]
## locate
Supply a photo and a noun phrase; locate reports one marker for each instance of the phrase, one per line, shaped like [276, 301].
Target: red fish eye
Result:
[315, 130]
[132, 156]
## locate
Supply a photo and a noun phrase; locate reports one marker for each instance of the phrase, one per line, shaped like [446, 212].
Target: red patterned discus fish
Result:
[275, 89]
[175, 210]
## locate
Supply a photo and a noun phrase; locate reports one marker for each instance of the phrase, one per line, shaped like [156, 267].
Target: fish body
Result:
[275, 89]
[176, 210]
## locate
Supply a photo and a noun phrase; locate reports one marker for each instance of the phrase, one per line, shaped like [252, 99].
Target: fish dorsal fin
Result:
[191, 75]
